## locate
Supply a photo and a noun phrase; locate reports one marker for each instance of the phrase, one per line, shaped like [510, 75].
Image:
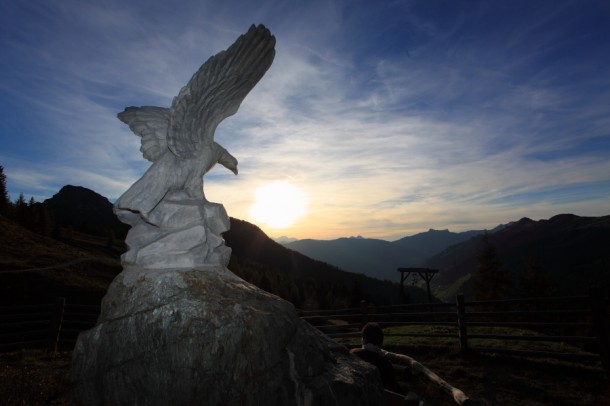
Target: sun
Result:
[278, 205]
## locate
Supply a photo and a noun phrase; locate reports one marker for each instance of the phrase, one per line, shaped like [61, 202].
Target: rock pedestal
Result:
[177, 328]
[206, 337]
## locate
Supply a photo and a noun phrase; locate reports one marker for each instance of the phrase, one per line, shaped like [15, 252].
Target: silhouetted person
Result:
[372, 340]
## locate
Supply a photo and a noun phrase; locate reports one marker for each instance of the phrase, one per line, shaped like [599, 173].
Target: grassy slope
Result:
[35, 377]
[89, 270]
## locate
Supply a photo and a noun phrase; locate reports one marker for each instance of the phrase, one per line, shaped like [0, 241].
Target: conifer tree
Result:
[356, 294]
[45, 223]
[20, 201]
[5, 201]
[490, 281]
[21, 210]
[534, 281]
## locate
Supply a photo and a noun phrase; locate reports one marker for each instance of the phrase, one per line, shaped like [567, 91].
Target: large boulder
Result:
[204, 336]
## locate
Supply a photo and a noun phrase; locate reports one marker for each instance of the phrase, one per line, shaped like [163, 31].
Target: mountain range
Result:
[572, 250]
[251, 245]
[379, 258]
[84, 210]
[86, 227]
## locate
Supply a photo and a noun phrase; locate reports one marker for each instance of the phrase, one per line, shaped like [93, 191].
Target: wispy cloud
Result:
[392, 117]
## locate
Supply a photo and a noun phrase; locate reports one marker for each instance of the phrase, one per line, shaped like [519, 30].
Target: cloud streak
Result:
[393, 118]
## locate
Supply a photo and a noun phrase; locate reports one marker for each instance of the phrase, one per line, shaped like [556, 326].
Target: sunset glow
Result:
[278, 205]
[391, 118]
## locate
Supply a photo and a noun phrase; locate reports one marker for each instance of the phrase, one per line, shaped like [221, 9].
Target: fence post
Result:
[364, 307]
[601, 328]
[461, 319]
[55, 326]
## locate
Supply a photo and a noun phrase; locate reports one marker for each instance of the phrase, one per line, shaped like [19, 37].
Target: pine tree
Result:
[534, 281]
[490, 281]
[5, 201]
[265, 284]
[45, 224]
[21, 211]
[20, 201]
[356, 294]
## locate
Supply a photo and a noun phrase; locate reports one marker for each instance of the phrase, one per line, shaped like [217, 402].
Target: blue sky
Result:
[392, 117]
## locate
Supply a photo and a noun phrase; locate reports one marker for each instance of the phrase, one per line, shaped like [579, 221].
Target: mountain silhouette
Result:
[573, 250]
[88, 216]
[248, 241]
[433, 241]
[85, 210]
[378, 258]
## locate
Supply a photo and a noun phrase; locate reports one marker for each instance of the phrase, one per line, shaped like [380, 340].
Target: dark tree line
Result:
[491, 281]
[5, 201]
[255, 258]
[303, 293]
[29, 214]
[307, 283]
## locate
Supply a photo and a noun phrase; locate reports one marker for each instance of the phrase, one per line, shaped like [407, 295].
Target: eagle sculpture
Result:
[180, 140]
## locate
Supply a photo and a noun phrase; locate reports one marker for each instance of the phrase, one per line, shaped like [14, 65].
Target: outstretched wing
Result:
[151, 124]
[216, 90]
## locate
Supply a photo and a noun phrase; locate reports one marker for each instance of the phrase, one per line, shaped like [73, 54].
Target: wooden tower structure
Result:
[424, 273]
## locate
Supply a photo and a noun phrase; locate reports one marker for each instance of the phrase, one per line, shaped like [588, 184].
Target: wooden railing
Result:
[54, 325]
[418, 369]
[501, 326]
[491, 326]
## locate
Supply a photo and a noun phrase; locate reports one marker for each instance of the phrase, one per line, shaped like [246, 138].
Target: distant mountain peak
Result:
[564, 217]
[563, 245]
[84, 210]
[285, 240]
[70, 192]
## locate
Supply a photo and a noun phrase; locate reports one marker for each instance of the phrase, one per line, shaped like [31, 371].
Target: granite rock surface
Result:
[204, 336]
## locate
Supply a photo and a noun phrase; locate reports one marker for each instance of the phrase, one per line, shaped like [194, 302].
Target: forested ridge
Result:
[79, 223]
[564, 255]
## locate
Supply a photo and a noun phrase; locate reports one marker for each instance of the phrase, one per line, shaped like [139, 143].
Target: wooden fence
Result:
[577, 328]
[52, 326]
[569, 328]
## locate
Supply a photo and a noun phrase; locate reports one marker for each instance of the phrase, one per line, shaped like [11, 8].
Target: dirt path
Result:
[48, 268]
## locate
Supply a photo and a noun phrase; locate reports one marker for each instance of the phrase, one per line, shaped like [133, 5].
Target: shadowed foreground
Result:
[34, 377]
